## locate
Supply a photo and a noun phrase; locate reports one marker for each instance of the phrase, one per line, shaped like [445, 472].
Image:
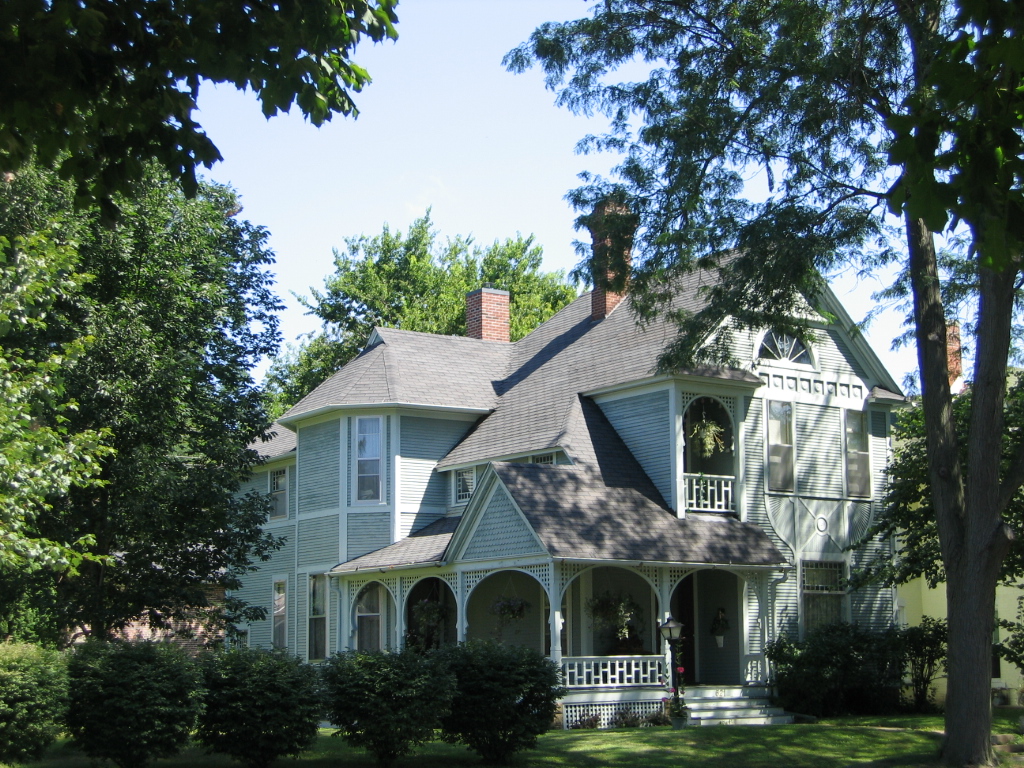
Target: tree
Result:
[176, 307]
[415, 283]
[103, 87]
[850, 111]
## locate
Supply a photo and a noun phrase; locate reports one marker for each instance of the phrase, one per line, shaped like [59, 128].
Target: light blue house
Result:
[442, 488]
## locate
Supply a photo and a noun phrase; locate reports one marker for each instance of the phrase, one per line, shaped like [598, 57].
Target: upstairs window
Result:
[279, 494]
[368, 459]
[465, 482]
[782, 346]
[823, 593]
[858, 472]
[780, 446]
[318, 617]
[279, 634]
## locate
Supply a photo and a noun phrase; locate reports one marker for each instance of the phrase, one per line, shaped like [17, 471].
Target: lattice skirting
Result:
[573, 713]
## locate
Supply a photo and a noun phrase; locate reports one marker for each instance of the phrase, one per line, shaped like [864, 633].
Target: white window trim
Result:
[356, 501]
[285, 490]
[866, 417]
[456, 501]
[273, 610]
[793, 445]
[783, 364]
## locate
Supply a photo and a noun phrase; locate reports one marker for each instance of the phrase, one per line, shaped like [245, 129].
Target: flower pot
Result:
[720, 639]
[679, 722]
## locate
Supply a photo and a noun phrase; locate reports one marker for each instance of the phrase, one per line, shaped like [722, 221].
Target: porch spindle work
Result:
[709, 493]
[612, 671]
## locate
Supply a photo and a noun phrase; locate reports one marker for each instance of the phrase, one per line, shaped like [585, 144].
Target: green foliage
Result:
[505, 697]
[909, 513]
[417, 284]
[259, 705]
[386, 703]
[839, 669]
[176, 307]
[104, 89]
[132, 702]
[33, 698]
[924, 647]
[41, 453]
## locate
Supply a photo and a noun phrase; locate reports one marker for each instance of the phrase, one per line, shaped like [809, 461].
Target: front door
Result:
[682, 611]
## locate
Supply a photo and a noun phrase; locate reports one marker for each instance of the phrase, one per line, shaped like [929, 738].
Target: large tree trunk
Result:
[972, 537]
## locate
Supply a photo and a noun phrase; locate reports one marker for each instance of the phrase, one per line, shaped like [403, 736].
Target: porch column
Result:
[400, 613]
[555, 614]
[460, 607]
[665, 588]
[344, 617]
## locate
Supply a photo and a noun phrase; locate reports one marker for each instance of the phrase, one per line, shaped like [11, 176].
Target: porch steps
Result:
[733, 705]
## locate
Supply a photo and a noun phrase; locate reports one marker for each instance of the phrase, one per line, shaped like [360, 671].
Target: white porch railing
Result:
[612, 671]
[709, 493]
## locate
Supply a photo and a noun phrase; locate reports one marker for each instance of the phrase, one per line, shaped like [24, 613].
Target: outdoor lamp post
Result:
[672, 631]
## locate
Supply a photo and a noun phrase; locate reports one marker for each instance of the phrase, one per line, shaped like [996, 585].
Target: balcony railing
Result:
[612, 671]
[709, 493]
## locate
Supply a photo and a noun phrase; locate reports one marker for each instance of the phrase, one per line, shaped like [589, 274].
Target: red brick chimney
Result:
[954, 361]
[487, 314]
[610, 223]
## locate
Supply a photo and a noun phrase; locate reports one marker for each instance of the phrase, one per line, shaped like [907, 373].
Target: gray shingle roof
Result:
[425, 546]
[606, 507]
[279, 441]
[415, 368]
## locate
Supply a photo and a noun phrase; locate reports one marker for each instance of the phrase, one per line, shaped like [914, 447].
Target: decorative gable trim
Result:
[493, 526]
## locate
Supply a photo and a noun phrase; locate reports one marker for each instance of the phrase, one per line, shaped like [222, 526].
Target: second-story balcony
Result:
[709, 493]
[710, 458]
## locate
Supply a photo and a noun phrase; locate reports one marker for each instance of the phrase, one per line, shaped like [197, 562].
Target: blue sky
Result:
[442, 126]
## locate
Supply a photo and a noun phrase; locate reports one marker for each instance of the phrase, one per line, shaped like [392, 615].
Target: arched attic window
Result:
[782, 346]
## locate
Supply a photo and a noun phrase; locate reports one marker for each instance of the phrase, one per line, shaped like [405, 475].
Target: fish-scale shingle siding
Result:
[501, 532]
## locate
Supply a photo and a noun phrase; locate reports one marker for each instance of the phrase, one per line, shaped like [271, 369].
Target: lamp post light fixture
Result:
[672, 631]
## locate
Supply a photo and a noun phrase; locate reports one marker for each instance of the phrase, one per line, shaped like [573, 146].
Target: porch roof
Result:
[425, 546]
[578, 515]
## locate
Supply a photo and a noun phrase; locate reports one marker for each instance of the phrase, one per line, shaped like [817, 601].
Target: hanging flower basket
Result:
[509, 608]
[708, 435]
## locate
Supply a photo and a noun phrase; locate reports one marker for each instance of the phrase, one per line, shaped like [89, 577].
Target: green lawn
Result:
[895, 741]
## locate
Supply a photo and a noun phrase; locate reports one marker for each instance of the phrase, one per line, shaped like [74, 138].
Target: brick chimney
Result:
[487, 314]
[612, 227]
[954, 361]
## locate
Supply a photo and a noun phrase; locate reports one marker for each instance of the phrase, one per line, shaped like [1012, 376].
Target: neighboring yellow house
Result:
[915, 600]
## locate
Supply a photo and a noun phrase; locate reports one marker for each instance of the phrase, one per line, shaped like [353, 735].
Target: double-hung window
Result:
[368, 459]
[858, 467]
[823, 593]
[368, 619]
[279, 636]
[465, 482]
[279, 493]
[318, 617]
[780, 446]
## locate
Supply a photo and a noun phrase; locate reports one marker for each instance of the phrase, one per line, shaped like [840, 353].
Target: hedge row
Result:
[130, 703]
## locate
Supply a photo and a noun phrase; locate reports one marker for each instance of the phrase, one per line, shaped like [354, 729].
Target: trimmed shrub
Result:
[386, 703]
[260, 704]
[506, 696]
[839, 669]
[132, 702]
[33, 699]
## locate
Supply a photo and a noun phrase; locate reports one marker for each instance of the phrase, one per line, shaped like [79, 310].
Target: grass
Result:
[894, 742]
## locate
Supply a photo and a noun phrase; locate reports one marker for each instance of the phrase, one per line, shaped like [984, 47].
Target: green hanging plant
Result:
[708, 436]
[618, 613]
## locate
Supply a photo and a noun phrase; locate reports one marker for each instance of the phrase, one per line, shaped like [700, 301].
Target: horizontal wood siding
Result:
[257, 587]
[318, 541]
[410, 522]
[257, 483]
[319, 457]
[819, 450]
[502, 532]
[368, 532]
[879, 436]
[644, 425]
[423, 443]
[787, 607]
[302, 614]
[833, 354]
[871, 606]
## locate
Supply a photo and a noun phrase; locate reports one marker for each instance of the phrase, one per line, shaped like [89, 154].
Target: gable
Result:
[501, 531]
